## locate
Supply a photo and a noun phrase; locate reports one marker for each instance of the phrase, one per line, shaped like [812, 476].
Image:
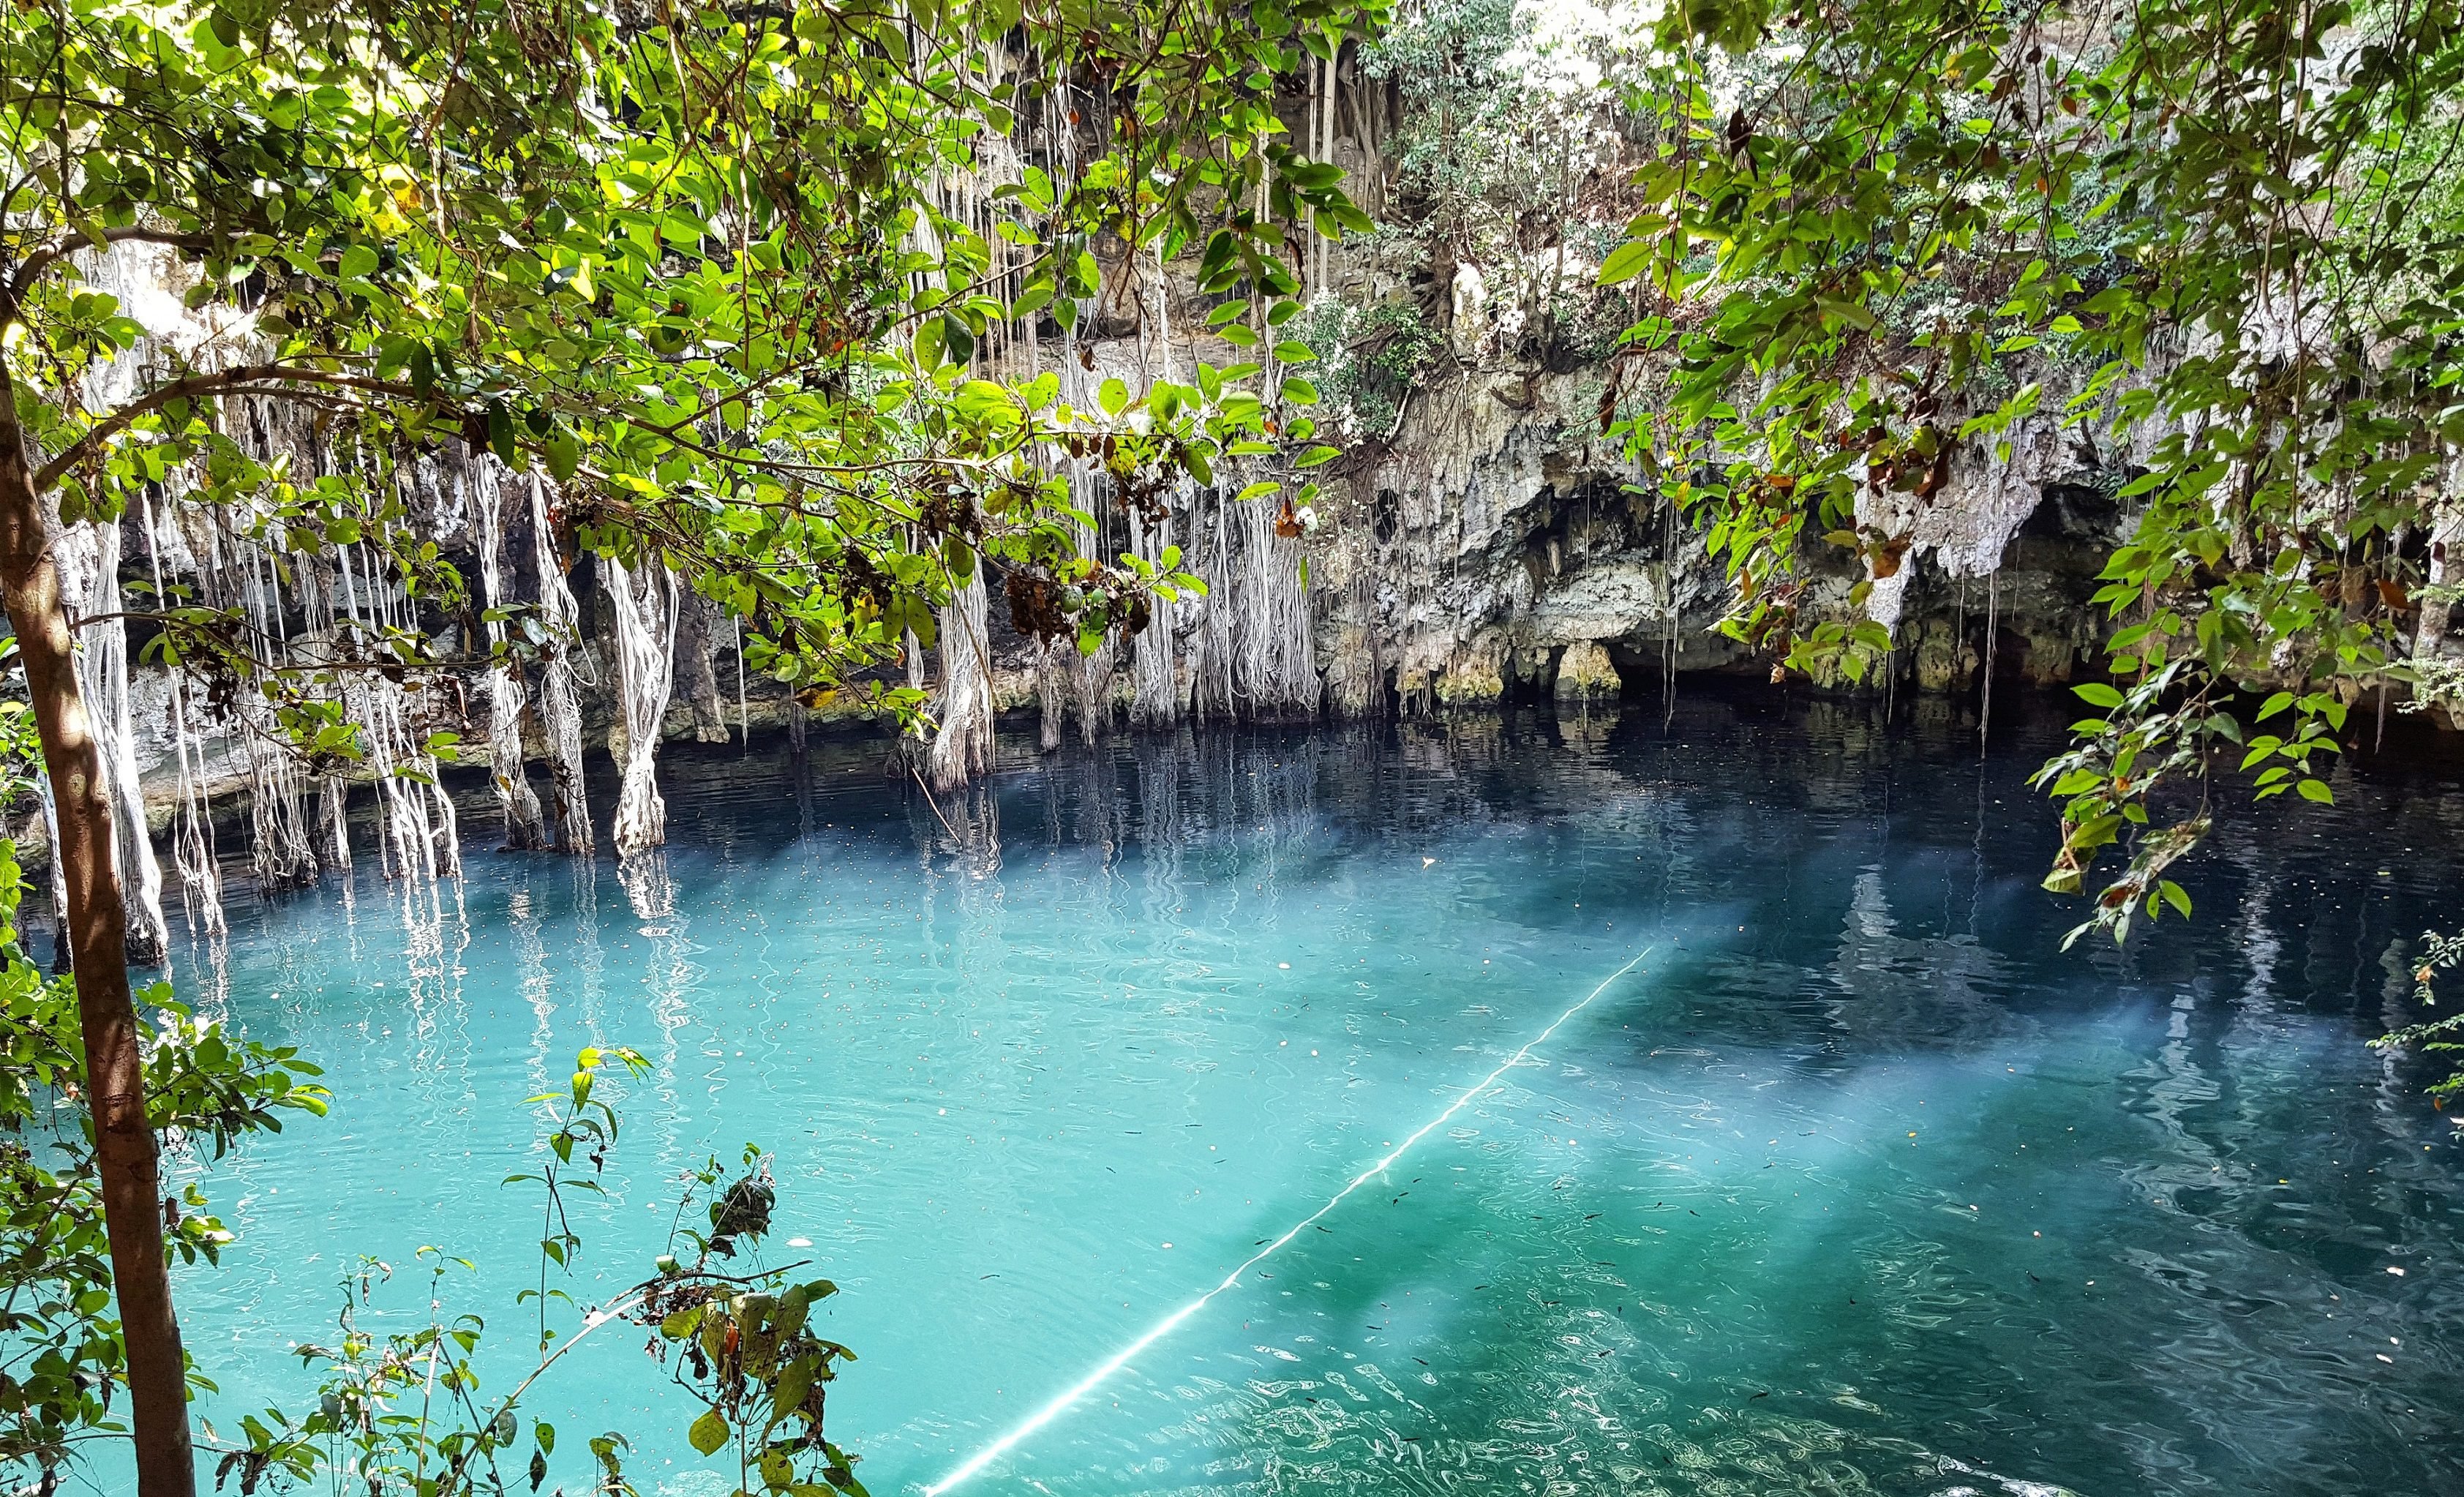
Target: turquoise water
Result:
[1855, 1183]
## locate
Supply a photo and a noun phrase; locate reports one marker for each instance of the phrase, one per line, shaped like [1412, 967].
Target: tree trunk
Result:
[560, 707]
[83, 858]
[696, 621]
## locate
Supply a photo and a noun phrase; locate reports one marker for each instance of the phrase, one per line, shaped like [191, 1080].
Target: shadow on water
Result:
[1862, 1186]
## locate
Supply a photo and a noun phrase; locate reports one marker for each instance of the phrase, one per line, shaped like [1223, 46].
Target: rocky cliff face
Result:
[1491, 549]
[1479, 544]
[1497, 551]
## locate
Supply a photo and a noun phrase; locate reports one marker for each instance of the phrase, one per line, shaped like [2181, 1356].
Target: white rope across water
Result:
[1172, 1322]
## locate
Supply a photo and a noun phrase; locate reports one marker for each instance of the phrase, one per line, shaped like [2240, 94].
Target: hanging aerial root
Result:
[962, 744]
[646, 604]
[525, 830]
[560, 702]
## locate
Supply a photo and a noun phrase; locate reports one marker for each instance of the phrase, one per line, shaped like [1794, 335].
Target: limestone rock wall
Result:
[1497, 543]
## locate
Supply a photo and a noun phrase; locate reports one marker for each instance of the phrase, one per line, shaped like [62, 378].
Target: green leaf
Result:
[563, 455]
[1291, 351]
[2317, 790]
[2096, 693]
[359, 262]
[1114, 396]
[708, 1432]
[1626, 262]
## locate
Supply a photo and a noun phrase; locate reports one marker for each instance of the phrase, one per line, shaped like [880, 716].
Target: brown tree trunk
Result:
[83, 859]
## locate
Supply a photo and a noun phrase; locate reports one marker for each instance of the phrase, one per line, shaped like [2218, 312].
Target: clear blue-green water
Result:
[1856, 1184]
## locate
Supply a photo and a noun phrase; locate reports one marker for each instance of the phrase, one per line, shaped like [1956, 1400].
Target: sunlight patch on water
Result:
[1165, 1327]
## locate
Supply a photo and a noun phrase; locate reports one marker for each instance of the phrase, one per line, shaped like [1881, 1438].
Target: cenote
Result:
[1269, 716]
[1855, 1182]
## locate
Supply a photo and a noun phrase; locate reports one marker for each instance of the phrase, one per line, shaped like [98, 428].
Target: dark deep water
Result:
[1858, 1184]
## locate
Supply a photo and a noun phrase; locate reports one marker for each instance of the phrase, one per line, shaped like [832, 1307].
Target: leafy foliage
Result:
[748, 1353]
[715, 271]
[403, 1412]
[61, 1355]
[2216, 237]
[2442, 1036]
[1372, 358]
[1510, 123]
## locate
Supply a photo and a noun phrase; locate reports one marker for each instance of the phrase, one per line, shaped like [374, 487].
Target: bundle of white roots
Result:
[646, 603]
[962, 746]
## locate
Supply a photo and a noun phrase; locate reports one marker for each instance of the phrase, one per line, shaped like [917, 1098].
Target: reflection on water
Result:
[1860, 1185]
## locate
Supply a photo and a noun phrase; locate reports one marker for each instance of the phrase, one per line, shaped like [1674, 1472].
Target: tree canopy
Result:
[756, 288]
[2215, 237]
[709, 268]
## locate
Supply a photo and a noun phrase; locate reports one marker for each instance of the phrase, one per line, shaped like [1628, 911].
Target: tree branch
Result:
[238, 381]
[59, 249]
